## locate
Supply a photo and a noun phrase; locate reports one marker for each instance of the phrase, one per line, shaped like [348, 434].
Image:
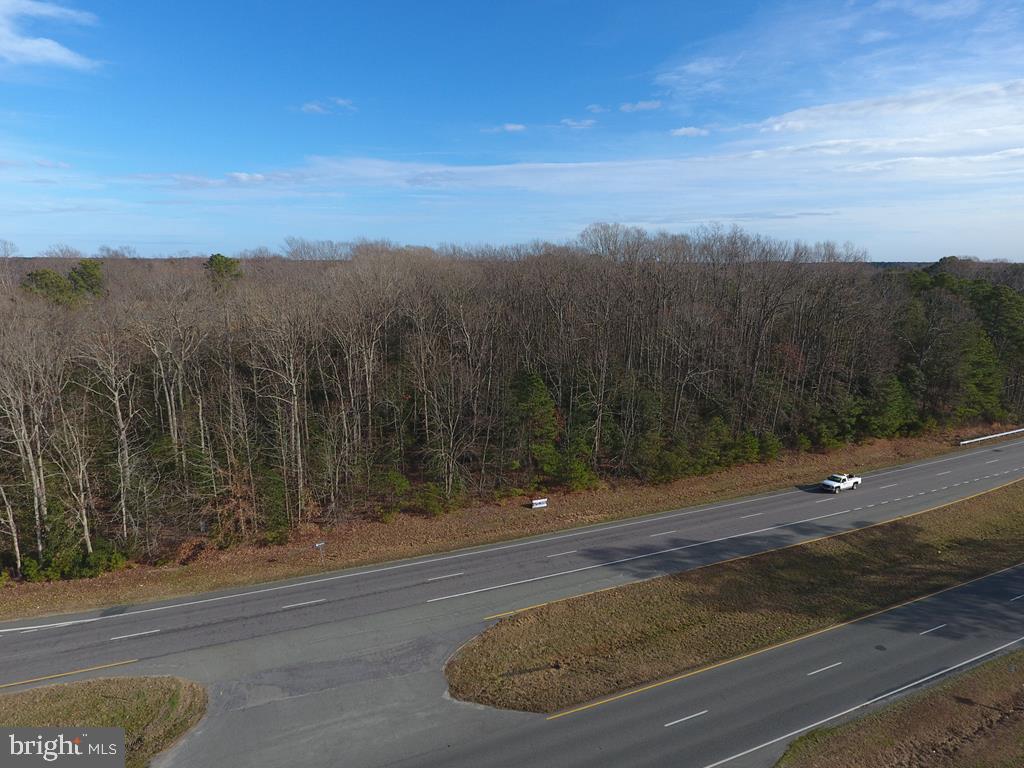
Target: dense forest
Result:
[143, 401]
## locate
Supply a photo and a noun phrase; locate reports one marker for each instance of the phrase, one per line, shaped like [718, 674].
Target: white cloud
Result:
[596, 109]
[925, 110]
[506, 128]
[568, 122]
[704, 66]
[875, 36]
[19, 49]
[328, 106]
[640, 106]
[929, 10]
[689, 131]
[960, 143]
[247, 178]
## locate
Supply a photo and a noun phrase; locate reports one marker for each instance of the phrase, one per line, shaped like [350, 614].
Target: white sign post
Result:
[319, 547]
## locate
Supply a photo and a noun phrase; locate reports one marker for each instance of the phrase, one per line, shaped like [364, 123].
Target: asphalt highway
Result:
[346, 668]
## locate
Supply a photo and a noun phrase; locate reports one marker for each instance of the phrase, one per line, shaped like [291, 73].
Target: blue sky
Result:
[222, 125]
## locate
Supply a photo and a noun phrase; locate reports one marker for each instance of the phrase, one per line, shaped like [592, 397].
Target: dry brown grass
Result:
[974, 720]
[579, 649]
[154, 711]
[364, 541]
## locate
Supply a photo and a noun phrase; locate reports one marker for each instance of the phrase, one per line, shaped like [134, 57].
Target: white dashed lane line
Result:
[307, 602]
[825, 669]
[688, 717]
[933, 629]
[135, 634]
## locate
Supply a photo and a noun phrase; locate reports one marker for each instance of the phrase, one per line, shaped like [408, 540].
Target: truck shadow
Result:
[836, 581]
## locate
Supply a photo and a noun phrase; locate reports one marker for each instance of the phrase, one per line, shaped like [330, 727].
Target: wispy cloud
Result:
[919, 112]
[328, 106]
[932, 10]
[872, 36]
[19, 49]
[505, 128]
[596, 109]
[569, 122]
[689, 131]
[640, 106]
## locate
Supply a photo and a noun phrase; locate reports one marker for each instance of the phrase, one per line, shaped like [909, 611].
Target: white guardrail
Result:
[990, 437]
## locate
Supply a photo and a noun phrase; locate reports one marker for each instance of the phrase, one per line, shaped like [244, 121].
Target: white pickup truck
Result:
[837, 483]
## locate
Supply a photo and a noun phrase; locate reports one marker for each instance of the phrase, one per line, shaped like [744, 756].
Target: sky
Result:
[897, 125]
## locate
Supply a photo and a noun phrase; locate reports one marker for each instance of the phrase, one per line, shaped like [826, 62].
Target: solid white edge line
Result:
[867, 703]
[308, 602]
[446, 576]
[825, 669]
[933, 629]
[135, 634]
[688, 717]
[1015, 599]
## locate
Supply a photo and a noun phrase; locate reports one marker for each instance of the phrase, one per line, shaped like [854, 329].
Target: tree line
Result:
[145, 401]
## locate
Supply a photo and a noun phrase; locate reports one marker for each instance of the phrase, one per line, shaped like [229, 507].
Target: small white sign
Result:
[538, 503]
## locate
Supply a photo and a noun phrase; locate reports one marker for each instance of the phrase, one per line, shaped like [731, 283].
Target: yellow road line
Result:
[784, 643]
[549, 602]
[72, 672]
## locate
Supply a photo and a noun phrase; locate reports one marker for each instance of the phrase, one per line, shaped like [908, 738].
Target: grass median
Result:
[576, 650]
[154, 711]
[974, 720]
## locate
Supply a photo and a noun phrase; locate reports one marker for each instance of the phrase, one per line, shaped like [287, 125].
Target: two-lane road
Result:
[348, 664]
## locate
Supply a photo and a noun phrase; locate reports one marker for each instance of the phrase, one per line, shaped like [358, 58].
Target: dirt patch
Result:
[154, 711]
[580, 649]
[974, 720]
[361, 542]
